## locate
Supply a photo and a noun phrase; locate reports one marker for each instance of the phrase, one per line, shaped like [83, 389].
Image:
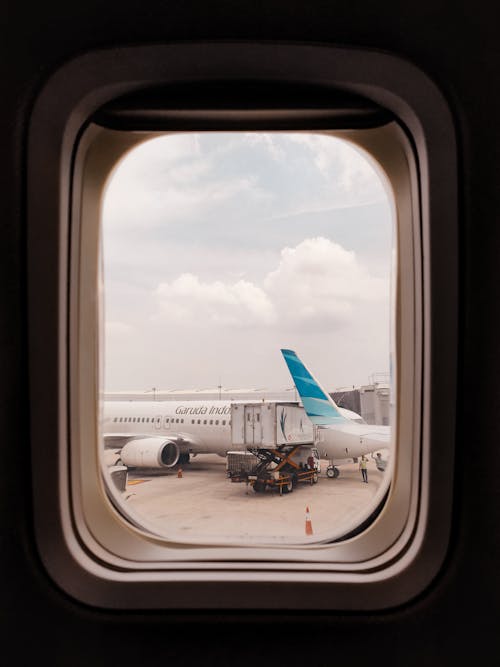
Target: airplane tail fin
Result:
[318, 404]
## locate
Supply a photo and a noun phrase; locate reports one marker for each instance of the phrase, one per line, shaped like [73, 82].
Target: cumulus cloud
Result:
[188, 300]
[316, 282]
[319, 281]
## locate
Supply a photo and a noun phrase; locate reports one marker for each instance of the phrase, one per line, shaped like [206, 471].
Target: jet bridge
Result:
[270, 424]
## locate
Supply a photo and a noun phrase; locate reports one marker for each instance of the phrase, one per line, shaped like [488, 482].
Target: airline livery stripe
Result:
[319, 406]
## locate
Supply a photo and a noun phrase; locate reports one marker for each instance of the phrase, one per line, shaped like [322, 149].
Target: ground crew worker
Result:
[310, 462]
[363, 466]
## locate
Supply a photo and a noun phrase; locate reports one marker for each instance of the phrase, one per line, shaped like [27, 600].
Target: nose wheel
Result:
[332, 472]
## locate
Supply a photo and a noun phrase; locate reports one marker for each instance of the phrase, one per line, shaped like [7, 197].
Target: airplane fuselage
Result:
[351, 440]
[198, 427]
[205, 426]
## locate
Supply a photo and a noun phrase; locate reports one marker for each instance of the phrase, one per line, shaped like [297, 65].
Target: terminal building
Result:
[289, 394]
[371, 401]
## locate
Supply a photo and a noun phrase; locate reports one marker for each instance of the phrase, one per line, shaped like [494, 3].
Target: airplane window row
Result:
[211, 422]
[133, 419]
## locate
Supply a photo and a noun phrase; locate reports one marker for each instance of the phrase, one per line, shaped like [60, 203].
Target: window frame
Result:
[407, 565]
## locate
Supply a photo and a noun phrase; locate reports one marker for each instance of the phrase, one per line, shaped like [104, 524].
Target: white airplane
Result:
[338, 436]
[162, 434]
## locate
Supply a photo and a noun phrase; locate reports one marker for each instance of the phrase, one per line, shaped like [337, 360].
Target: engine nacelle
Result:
[150, 453]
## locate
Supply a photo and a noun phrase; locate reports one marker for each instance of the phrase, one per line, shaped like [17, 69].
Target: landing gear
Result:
[332, 472]
[183, 458]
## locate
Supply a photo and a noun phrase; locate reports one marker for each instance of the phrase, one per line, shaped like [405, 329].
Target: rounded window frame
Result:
[94, 570]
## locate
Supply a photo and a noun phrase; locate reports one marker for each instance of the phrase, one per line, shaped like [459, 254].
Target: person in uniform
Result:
[363, 466]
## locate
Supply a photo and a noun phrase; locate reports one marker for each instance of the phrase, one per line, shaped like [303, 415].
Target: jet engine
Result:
[150, 453]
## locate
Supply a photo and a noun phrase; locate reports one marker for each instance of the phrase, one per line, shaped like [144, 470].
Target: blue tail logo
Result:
[319, 406]
[283, 422]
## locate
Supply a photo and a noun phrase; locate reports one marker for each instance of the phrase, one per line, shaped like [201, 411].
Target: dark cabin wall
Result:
[456, 45]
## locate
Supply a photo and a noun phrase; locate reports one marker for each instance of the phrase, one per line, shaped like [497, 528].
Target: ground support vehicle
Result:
[280, 469]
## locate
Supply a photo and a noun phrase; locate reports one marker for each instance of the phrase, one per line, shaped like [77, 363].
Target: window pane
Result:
[219, 251]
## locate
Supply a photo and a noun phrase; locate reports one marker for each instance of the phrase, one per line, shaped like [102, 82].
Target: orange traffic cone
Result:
[309, 528]
[179, 472]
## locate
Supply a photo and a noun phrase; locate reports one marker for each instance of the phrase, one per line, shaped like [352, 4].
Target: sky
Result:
[219, 249]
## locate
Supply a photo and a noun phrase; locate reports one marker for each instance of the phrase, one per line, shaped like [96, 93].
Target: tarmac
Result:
[202, 504]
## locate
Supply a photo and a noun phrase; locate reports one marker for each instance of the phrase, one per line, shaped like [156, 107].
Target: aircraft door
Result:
[253, 425]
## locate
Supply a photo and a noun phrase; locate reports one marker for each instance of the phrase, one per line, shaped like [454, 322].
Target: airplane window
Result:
[280, 250]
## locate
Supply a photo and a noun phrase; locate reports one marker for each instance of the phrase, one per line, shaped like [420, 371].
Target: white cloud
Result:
[168, 179]
[187, 300]
[184, 299]
[150, 158]
[349, 171]
[317, 282]
[139, 205]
